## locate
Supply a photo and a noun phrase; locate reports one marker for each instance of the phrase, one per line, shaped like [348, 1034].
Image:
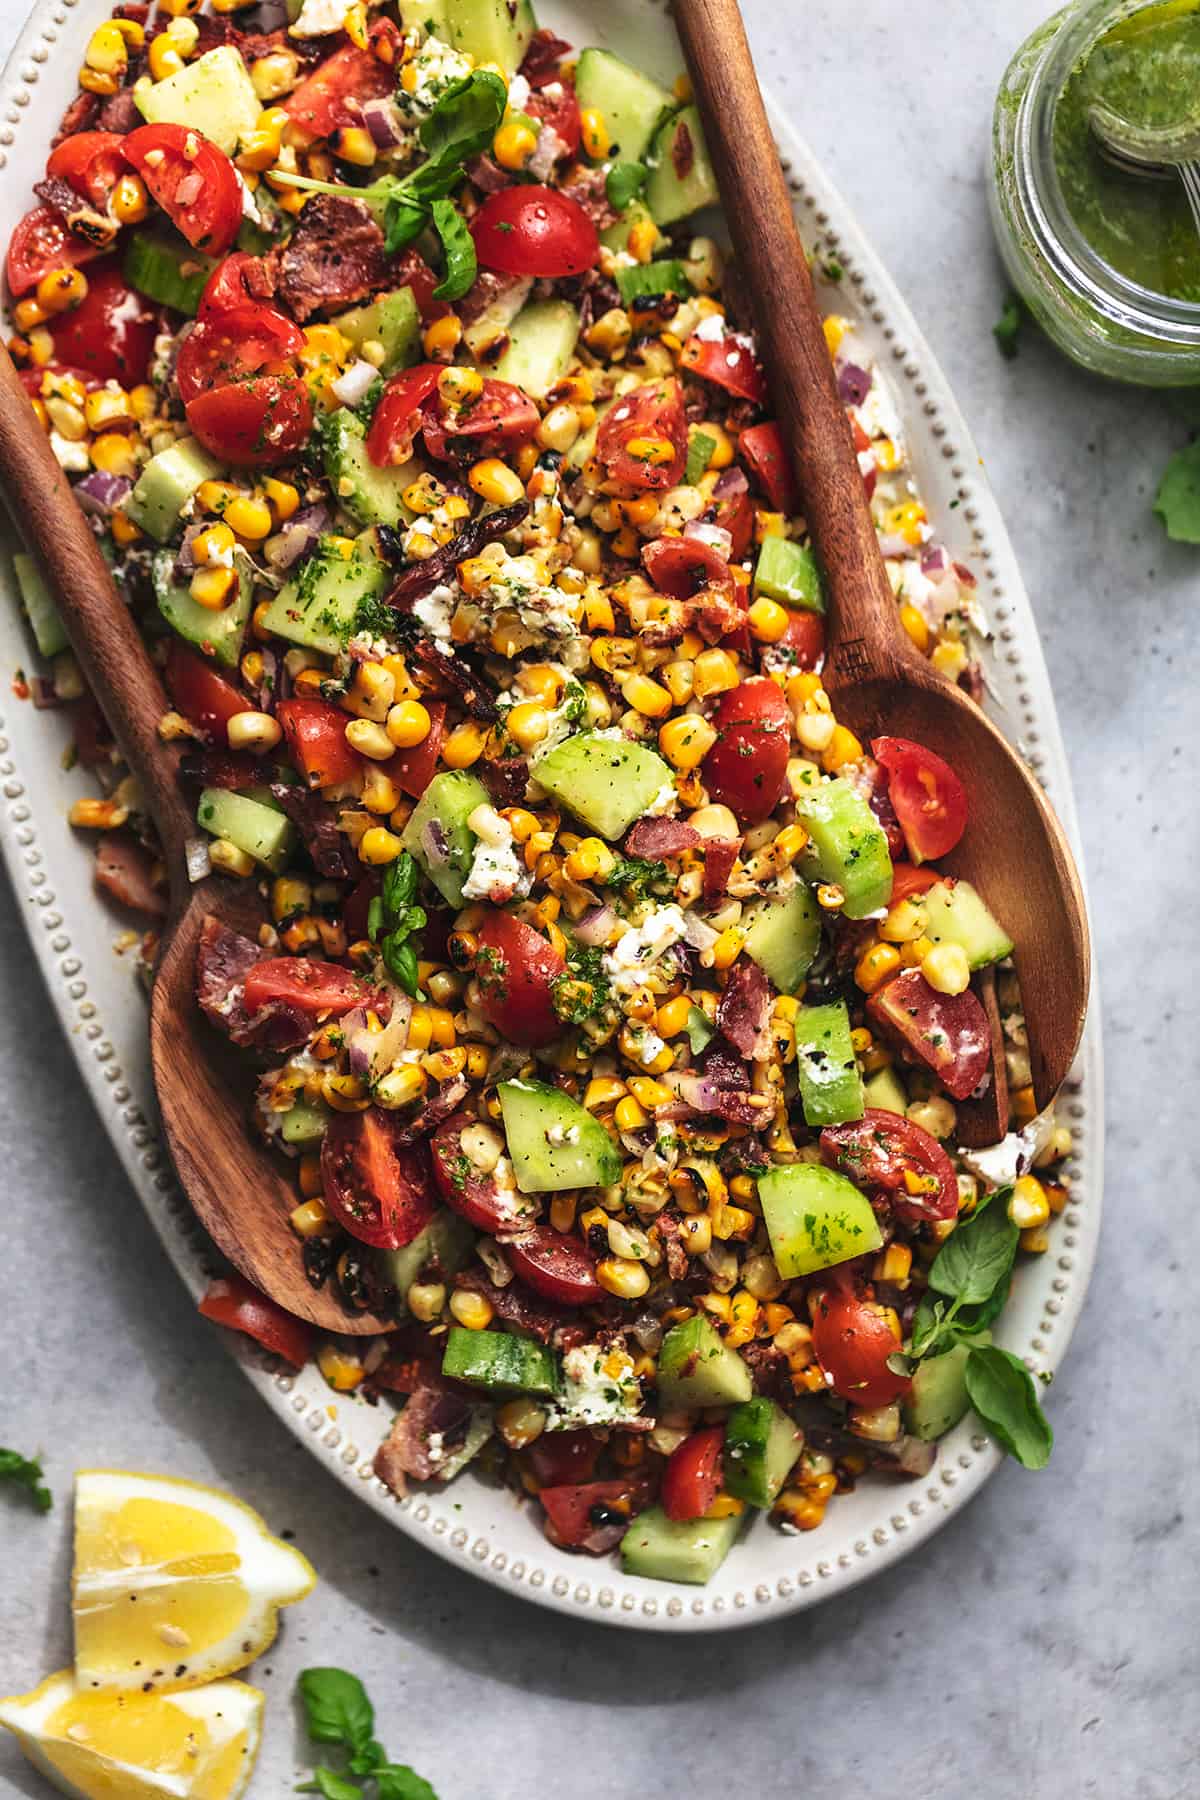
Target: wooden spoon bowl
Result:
[1014, 848]
[232, 1180]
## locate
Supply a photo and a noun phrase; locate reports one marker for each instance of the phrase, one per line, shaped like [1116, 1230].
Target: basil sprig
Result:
[968, 1286]
[393, 919]
[337, 1710]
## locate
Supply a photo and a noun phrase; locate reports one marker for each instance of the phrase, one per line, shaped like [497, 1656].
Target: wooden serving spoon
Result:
[1014, 849]
[236, 1188]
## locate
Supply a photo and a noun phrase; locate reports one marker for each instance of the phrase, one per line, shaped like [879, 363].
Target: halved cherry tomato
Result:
[253, 424]
[228, 286]
[930, 800]
[316, 735]
[908, 879]
[578, 1512]
[91, 161]
[476, 1197]
[761, 449]
[232, 1301]
[692, 1478]
[558, 1267]
[413, 770]
[502, 416]
[534, 230]
[558, 1458]
[308, 985]
[516, 970]
[398, 416]
[805, 638]
[652, 411]
[734, 513]
[379, 1191]
[880, 1148]
[746, 766]
[332, 94]
[111, 332]
[681, 566]
[948, 1032]
[40, 244]
[203, 696]
[225, 346]
[853, 1341]
[560, 113]
[195, 183]
[729, 362]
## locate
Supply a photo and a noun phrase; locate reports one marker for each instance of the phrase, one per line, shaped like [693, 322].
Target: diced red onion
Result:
[383, 120]
[494, 1261]
[714, 536]
[965, 576]
[435, 844]
[297, 538]
[854, 384]
[99, 492]
[352, 384]
[935, 560]
[698, 933]
[372, 1053]
[189, 189]
[729, 482]
[595, 927]
[892, 544]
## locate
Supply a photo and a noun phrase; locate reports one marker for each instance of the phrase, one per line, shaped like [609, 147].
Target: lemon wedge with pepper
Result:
[174, 1583]
[106, 1746]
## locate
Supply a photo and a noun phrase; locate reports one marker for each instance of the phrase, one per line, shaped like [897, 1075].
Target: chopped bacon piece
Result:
[335, 257]
[432, 1426]
[125, 870]
[223, 960]
[654, 838]
[744, 1013]
[720, 854]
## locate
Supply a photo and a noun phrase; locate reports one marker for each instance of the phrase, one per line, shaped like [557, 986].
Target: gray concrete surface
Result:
[1046, 1640]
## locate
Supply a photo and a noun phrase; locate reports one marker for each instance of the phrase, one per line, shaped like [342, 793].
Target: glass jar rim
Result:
[1127, 303]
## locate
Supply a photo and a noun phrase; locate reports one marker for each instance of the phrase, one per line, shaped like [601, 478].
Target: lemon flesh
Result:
[174, 1583]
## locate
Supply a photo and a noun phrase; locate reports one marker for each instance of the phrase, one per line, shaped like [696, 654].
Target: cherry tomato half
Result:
[804, 638]
[516, 970]
[853, 1341]
[229, 285]
[557, 1267]
[652, 411]
[398, 416]
[878, 1150]
[503, 415]
[692, 1478]
[533, 230]
[681, 566]
[306, 985]
[930, 800]
[377, 1190]
[908, 879]
[111, 333]
[224, 347]
[476, 1197]
[195, 183]
[202, 695]
[232, 1301]
[948, 1032]
[40, 244]
[316, 736]
[559, 112]
[746, 766]
[91, 161]
[577, 1512]
[253, 424]
[729, 363]
[761, 449]
[332, 94]
[558, 1458]
[413, 770]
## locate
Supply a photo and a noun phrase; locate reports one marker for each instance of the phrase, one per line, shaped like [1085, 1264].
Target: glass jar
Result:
[1103, 317]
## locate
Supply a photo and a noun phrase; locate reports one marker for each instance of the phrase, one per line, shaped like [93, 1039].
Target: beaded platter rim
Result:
[472, 1524]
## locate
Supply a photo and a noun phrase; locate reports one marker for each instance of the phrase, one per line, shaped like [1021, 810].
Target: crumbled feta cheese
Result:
[877, 414]
[599, 1388]
[249, 203]
[649, 1046]
[665, 801]
[518, 93]
[436, 609]
[640, 947]
[436, 65]
[1013, 1155]
[553, 90]
[496, 871]
[711, 328]
[317, 18]
[558, 1135]
[517, 585]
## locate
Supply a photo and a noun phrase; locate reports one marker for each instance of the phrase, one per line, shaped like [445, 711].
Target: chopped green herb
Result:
[26, 1472]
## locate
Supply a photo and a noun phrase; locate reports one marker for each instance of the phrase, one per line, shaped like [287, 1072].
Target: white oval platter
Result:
[102, 1009]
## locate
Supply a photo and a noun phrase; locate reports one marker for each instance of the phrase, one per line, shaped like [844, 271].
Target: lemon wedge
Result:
[174, 1583]
[102, 1746]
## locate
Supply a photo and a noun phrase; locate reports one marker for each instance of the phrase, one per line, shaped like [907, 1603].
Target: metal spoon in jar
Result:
[1153, 152]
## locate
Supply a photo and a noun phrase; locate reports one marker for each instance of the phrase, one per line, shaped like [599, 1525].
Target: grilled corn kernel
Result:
[378, 846]
[611, 333]
[253, 731]
[124, 530]
[212, 587]
[594, 133]
[274, 75]
[226, 856]
[875, 965]
[916, 627]
[163, 57]
[629, 1115]
[249, 518]
[213, 545]
[114, 452]
[458, 387]
[591, 858]
[685, 741]
[29, 313]
[946, 968]
[949, 658]
[106, 407]
[618, 1275]
[354, 144]
[935, 1115]
[842, 748]
[514, 144]
[370, 740]
[309, 1219]
[474, 1311]
[1029, 1208]
[768, 621]
[342, 1369]
[905, 922]
[408, 724]
[527, 724]
[728, 947]
[464, 746]
[713, 672]
[402, 1086]
[495, 481]
[62, 289]
[646, 697]
[107, 51]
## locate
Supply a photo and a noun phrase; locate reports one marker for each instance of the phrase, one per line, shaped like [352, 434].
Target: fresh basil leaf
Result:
[624, 182]
[399, 885]
[458, 247]
[700, 1031]
[466, 117]
[332, 1785]
[336, 1708]
[977, 1257]
[400, 960]
[1177, 502]
[1004, 1394]
[970, 1319]
[375, 917]
[899, 1364]
[405, 220]
[26, 1472]
[371, 1757]
[928, 1322]
[398, 1782]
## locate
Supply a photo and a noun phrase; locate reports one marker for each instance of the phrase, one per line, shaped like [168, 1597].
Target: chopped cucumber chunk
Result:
[262, 832]
[45, 620]
[831, 1088]
[630, 103]
[681, 178]
[665, 1549]
[217, 634]
[318, 608]
[815, 1218]
[783, 937]
[444, 1246]
[167, 270]
[371, 495]
[392, 320]
[438, 835]
[165, 486]
[496, 1359]
[606, 782]
[697, 1369]
[955, 913]
[554, 1142]
[788, 572]
[541, 344]
[848, 845]
[761, 1447]
[214, 95]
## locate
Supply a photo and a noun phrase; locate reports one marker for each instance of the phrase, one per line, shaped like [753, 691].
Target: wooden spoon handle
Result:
[102, 632]
[863, 631]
